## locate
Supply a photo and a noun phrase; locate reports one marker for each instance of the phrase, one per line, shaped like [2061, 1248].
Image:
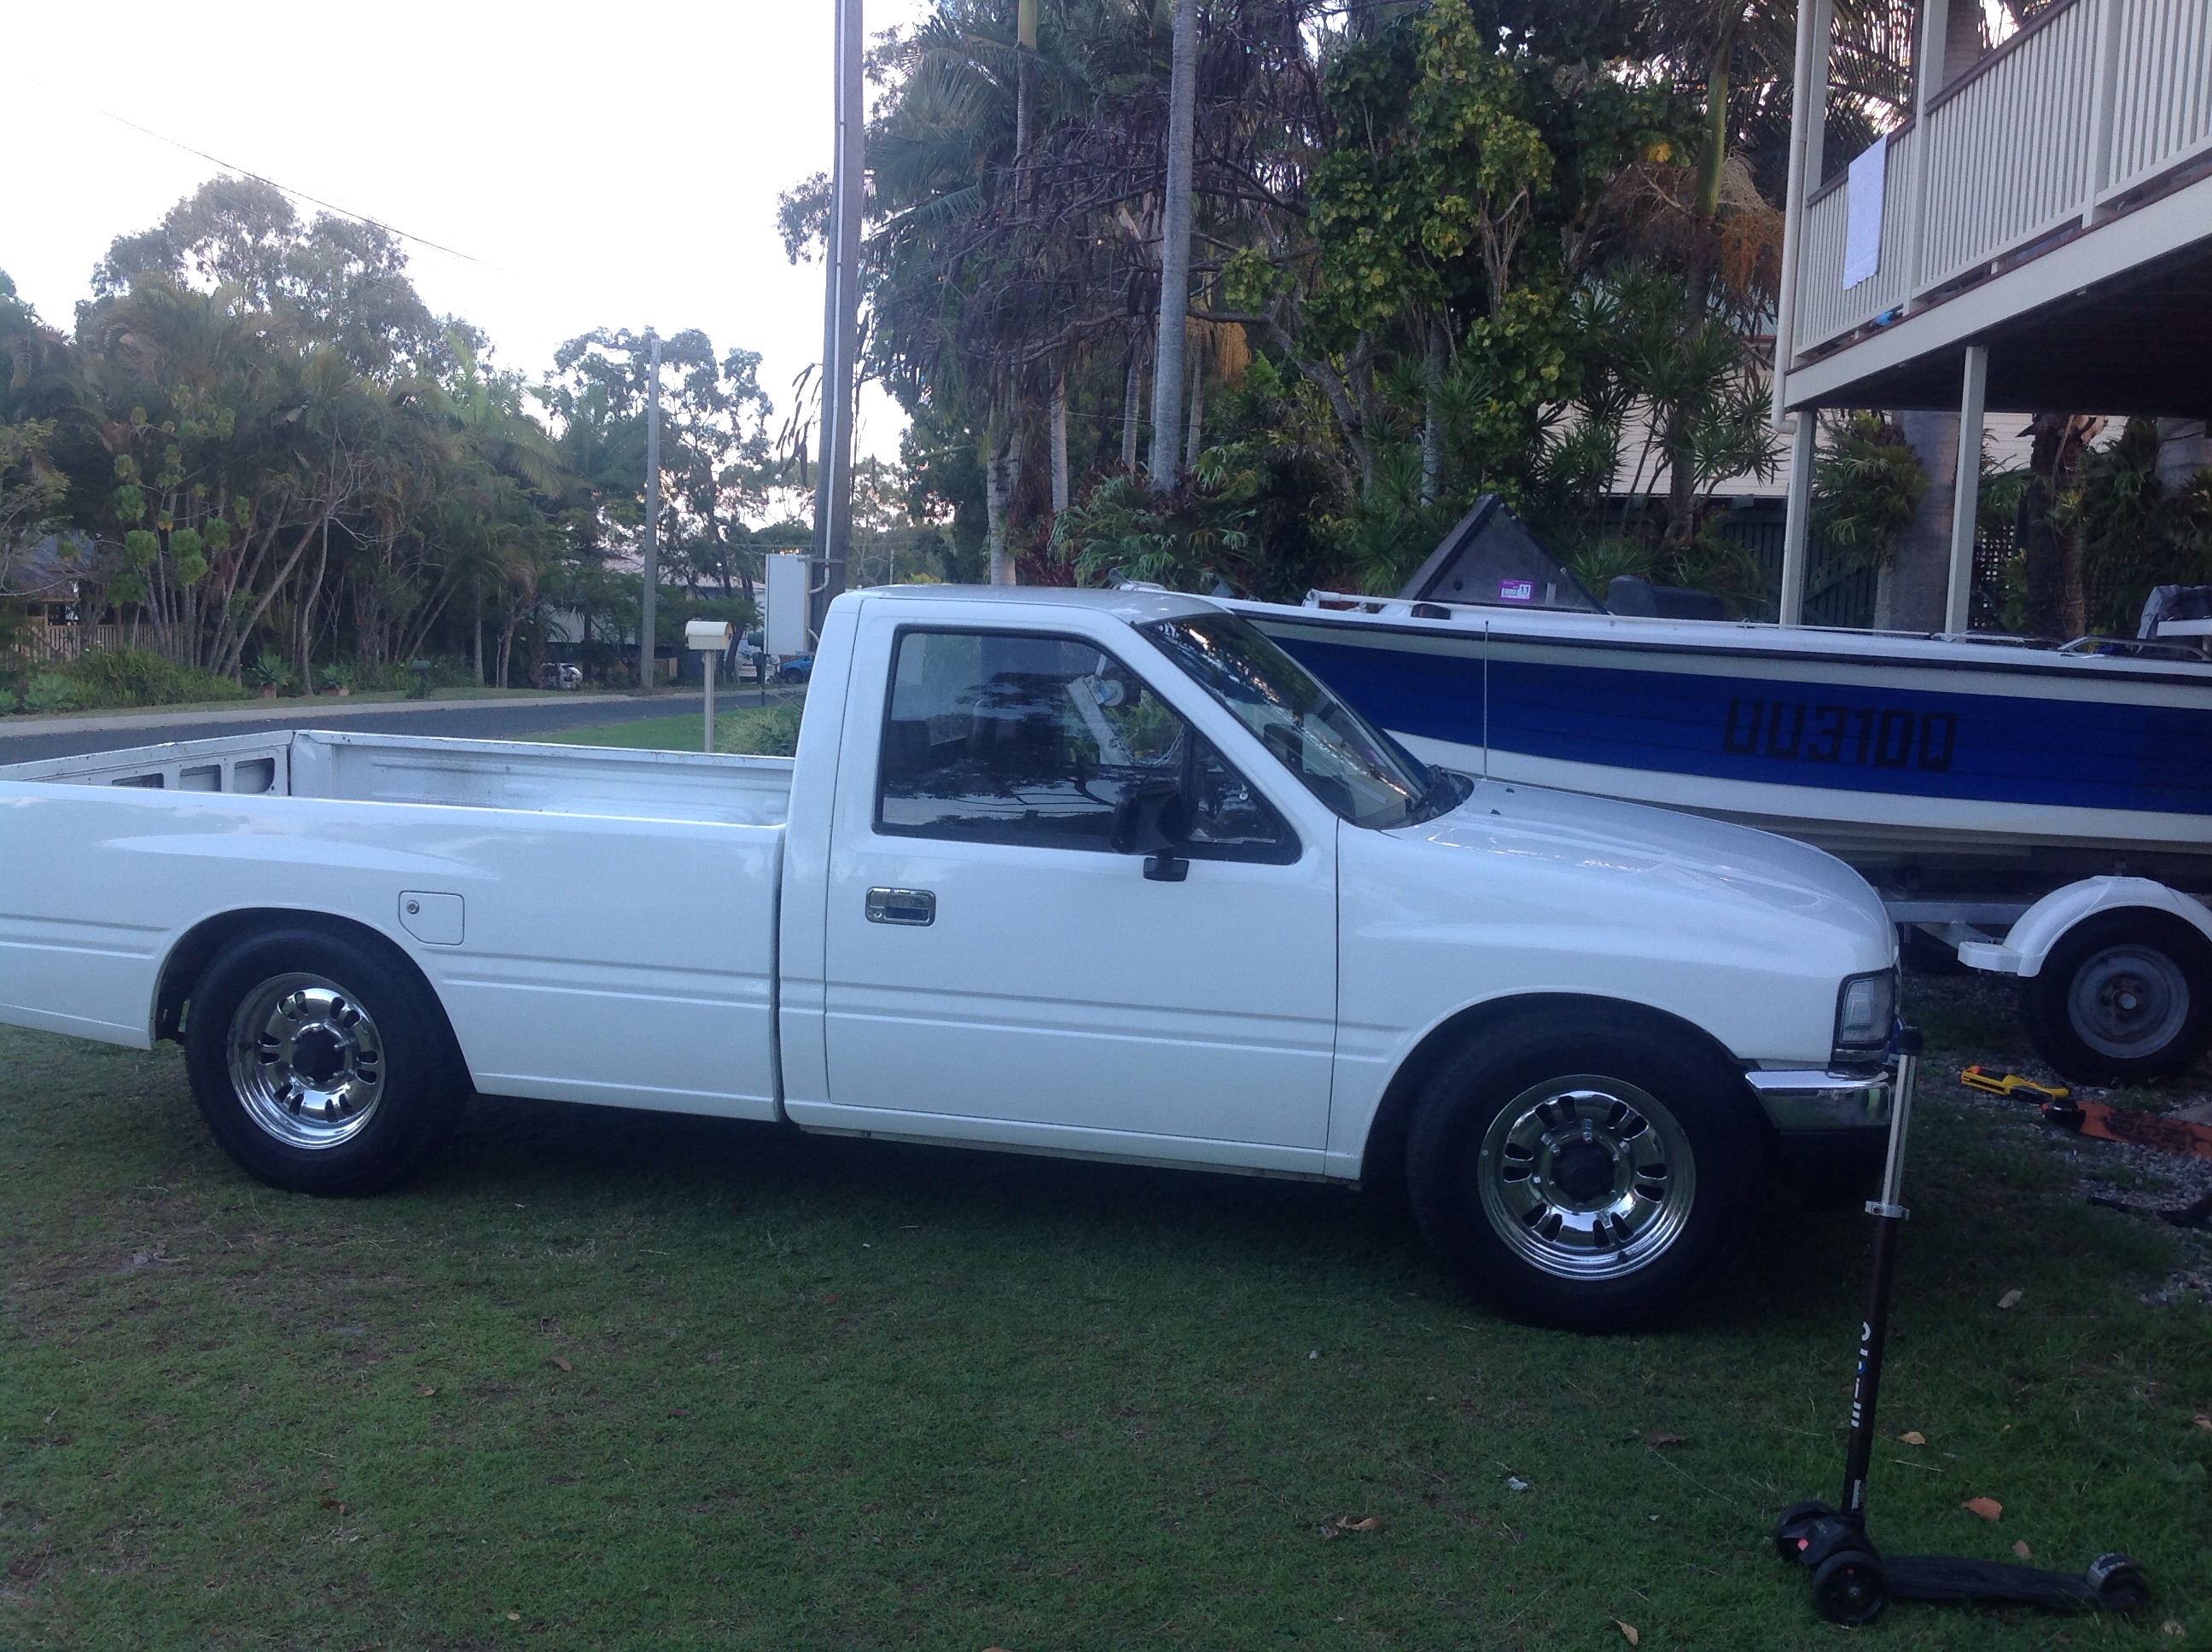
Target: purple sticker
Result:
[1516, 590]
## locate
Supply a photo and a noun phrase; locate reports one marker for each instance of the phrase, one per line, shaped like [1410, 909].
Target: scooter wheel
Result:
[1851, 1588]
[1795, 1521]
[2119, 1582]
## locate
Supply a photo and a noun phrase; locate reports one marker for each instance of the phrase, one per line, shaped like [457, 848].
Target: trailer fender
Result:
[2043, 924]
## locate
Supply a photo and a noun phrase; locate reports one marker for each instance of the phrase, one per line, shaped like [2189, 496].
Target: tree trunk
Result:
[1060, 442]
[1916, 584]
[1195, 442]
[1132, 393]
[1338, 389]
[476, 627]
[1175, 247]
[2055, 605]
[1002, 475]
[1025, 29]
[507, 644]
[234, 638]
[1681, 479]
[1432, 424]
[1713, 158]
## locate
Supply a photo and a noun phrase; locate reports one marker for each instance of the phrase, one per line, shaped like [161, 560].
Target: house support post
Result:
[1796, 530]
[1966, 499]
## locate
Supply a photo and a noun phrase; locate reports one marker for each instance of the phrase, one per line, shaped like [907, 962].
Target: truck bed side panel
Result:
[72, 959]
[601, 960]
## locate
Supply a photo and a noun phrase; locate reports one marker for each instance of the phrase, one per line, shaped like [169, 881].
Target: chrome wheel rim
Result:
[305, 1061]
[2128, 1000]
[1586, 1177]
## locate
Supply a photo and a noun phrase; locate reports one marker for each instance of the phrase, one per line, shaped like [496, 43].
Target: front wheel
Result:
[2124, 998]
[321, 1066]
[1583, 1175]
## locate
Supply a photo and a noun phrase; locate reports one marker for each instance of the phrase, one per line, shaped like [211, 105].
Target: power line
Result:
[300, 194]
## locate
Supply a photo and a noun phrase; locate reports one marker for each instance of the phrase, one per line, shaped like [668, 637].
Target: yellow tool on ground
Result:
[2011, 1084]
[2098, 1119]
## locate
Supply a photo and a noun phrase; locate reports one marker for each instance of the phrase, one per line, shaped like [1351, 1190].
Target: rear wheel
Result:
[1583, 1174]
[320, 1066]
[2122, 998]
[2119, 1582]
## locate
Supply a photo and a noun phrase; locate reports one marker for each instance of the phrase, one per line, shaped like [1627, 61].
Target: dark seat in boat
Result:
[1629, 595]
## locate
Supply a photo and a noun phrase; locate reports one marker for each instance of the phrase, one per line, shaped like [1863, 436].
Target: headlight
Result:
[1866, 1009]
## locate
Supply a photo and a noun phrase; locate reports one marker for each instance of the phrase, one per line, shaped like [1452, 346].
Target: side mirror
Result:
[1150, 818]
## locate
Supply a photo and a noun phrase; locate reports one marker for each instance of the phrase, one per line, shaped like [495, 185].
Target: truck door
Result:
[995, 970]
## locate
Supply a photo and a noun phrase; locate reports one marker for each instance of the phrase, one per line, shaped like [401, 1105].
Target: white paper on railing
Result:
[1862, 224]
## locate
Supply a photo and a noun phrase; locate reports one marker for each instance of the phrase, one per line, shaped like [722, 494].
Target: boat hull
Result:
[1914, 760]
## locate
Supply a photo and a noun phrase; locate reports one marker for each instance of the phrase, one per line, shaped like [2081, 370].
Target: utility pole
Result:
[841, 321]
[644, 630]
[1175, 249]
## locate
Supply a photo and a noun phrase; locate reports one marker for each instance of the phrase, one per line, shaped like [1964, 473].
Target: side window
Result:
[1002, 737]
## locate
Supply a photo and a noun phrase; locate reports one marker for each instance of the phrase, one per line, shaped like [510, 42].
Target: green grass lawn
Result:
[742, 723]
[601, 1379]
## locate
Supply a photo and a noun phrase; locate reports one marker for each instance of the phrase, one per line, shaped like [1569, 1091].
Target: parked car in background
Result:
[1100, 874]
[800, 668]
[558, 674]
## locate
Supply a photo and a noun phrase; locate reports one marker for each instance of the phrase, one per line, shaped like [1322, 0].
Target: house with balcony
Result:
[2036, 236]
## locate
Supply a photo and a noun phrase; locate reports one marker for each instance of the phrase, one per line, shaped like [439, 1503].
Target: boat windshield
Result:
[1358, 771]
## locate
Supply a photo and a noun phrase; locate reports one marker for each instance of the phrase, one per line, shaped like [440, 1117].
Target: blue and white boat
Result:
[1964, 766]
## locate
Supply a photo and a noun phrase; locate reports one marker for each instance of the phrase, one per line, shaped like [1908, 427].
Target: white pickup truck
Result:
[1096, 873]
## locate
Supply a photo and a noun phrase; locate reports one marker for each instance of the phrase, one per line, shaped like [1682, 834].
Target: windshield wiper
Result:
[1444, 792]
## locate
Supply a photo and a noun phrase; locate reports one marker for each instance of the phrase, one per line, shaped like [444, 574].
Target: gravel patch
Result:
[1971, 1018]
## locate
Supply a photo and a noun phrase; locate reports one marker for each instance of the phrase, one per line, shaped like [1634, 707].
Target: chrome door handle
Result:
[902, 905]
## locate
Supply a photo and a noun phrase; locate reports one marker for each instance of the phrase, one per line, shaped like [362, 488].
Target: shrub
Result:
[113, 677]
[759, 731]
[49, 691]
[269, 671]
[1866, 486]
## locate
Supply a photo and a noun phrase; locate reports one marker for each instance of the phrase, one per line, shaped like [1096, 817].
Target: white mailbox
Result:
[708, 636]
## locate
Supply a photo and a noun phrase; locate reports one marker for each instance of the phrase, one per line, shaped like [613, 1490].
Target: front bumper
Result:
[1824, 1100]
[1831, 1129]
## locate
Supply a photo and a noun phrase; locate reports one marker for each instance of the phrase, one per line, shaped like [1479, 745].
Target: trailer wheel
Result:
[2124, 998]
[1582, 1173]
[320, 1066]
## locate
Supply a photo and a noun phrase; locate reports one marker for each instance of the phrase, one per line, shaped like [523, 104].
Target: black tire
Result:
[2119, 1583]
[1851, 1588]
[1620, 1217]
[2124, 998]
[321, 1066]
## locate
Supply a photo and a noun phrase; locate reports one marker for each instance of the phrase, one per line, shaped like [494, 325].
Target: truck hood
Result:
[1661, 852]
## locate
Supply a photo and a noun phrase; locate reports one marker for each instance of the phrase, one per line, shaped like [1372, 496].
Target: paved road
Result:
[468, 720]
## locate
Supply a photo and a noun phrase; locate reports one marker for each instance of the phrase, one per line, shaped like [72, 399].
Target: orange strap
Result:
[2119, 1123]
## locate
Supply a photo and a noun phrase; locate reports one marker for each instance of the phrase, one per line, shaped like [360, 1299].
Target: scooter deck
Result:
[1942, 1577]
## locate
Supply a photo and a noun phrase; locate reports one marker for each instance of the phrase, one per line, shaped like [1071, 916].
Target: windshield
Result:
[1360, 772]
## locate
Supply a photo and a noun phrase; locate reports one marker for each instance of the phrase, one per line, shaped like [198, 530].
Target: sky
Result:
[599, 166]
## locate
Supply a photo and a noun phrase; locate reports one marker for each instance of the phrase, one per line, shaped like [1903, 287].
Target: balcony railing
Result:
[2092, 101]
